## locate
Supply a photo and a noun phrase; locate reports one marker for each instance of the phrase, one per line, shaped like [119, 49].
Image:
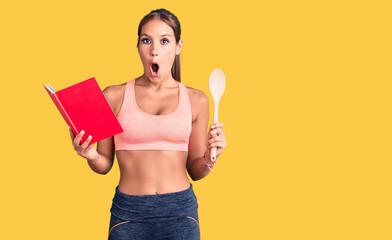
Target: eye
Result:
[146, 40]
[164, 41]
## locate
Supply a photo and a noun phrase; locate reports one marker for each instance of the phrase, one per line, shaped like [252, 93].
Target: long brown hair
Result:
[171, 20]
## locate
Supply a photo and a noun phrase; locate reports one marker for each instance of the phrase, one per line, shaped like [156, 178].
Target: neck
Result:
[155, 83]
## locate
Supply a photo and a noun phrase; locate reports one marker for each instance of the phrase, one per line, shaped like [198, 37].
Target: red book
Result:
[84, 107]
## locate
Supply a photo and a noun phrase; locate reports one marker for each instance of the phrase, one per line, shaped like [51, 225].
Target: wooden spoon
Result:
[217, 87]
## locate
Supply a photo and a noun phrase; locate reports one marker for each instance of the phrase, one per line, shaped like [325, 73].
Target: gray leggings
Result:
[163, 216]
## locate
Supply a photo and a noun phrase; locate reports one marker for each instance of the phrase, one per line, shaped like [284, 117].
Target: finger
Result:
[71, 133]
[217, 131]
[90, 147]
[213, 138]
[218, 134]
[213, 132]
[220, 141]
[78, 137]
[217, 125]
[218, 145]
[86, 142]
[217, 139]
[213, 145]
[211, 129]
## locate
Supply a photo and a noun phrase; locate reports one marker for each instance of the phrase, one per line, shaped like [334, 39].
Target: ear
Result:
[179, 46]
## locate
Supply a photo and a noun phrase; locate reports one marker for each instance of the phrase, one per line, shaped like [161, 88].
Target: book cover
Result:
[84, 107]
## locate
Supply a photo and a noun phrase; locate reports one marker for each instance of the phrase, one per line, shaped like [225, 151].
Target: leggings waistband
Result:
[154, 208]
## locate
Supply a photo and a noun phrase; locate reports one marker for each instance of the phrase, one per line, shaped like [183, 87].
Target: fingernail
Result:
[82, 131]
[90, 136]
[212, 126]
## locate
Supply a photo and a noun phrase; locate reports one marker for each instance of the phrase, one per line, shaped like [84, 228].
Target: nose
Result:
[154, 49]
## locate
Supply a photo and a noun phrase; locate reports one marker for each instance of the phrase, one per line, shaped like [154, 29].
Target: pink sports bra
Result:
[144, 131]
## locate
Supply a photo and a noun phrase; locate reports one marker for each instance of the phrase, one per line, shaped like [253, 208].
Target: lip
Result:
[154, 74]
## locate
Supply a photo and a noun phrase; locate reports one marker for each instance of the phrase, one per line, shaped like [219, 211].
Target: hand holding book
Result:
[84, 149]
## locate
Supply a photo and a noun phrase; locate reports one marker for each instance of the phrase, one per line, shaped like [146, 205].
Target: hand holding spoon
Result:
[217, 87]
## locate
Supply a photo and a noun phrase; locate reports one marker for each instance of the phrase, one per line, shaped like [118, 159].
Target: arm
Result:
[101, 159]
[105, 159]
[200, 142]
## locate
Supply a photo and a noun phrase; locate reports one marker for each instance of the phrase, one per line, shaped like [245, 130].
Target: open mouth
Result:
[154, 69]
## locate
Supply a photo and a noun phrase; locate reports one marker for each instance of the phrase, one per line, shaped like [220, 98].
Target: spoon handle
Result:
[213, 150]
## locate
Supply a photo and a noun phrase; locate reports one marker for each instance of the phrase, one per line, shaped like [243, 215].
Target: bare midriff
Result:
[149, 172]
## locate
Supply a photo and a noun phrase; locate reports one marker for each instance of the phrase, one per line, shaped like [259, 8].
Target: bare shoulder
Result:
[199, 102]
[114, 90]
[115, 94]
[197, 97]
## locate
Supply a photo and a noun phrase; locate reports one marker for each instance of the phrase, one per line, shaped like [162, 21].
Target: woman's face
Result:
[157, 49]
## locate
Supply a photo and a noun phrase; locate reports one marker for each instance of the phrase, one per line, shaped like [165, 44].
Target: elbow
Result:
[105, 168]
[193, 173]
[195, 178]
[105, 172]
[102, 171]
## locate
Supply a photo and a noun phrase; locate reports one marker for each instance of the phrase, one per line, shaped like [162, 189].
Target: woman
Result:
[165, 134]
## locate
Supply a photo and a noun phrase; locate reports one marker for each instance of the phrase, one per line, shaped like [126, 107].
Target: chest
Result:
[157, 103]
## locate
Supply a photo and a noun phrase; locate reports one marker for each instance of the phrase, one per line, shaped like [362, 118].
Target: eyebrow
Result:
[163, 35]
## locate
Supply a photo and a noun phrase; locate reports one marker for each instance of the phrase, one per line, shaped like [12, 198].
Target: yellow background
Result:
[307, 114]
